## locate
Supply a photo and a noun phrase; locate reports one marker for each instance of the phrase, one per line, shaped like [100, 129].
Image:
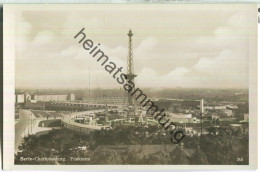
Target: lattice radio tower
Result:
[130, 75]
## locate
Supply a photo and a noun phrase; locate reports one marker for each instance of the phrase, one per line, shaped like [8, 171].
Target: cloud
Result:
[219, 72]
[170, 50]
[23, 30]
[43, 38]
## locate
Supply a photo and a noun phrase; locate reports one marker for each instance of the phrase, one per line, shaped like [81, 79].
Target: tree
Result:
[199, 158]
[114, 158]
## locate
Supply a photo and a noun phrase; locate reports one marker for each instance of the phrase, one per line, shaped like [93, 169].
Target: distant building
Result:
[246, 117]
[53, 97]
[215, 116]
[182, 118]
[215, 107]
[232, 107]
[209, 107]
[22, 98]
[228, 112]
[219, 107]
[27, 97]
[189, 130]
[240, 93]
[71, 96]
[19, 98]
[73, 106]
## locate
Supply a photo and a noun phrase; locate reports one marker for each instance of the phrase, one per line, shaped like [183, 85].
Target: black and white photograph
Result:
[138, 84]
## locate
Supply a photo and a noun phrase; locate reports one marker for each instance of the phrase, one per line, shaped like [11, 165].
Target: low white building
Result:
[246, 117]
[183, 118]
[232, 107]
[228, 112]
[19, 98]
[214, 116]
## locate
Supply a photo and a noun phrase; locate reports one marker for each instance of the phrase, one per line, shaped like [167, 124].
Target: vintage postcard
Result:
[150, 86]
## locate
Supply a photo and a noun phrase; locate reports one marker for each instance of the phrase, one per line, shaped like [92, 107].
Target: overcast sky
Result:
[172, 48]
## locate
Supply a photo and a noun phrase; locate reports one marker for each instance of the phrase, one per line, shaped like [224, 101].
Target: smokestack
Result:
[201, 106]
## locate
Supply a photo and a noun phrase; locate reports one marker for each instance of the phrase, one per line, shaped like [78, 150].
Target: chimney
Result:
[201, 106]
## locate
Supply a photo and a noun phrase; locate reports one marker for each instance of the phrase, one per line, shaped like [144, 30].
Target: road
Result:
[68, 119]
[21, 126]
[25, 115]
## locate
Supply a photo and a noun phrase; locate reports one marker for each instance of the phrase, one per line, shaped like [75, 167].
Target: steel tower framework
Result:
[130, 75]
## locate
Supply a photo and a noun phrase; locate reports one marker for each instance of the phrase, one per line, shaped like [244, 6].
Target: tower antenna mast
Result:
[130, 75]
